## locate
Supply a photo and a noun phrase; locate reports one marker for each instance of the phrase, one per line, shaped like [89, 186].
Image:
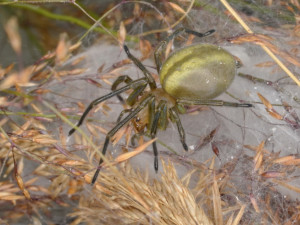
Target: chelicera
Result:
[193, 75]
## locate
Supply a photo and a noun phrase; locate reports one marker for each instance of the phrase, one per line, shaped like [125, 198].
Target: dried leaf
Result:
[4, 102]
[286, 185]
[12, 30]
[215, 149]
[20, 180]
[146, 48]
[66, 162]
[275, 114]
[100, 69]
[168, 49]
[217, 203]
[176, 7]
[78, 60]
[289, 160]
[297, 30]
[91, 129]
[137, 10]
[258, 160]
[20, 79]
[62, 48]
[207, 139]
[93, 82]
[190, 39]
[9, 81]
[266, 64]
[11, 197]
[265, 101]
[31, 181]
[72, 186]
[254, 203]
[75, 46]
[44, 139]
[259, 156]
[21, 186]
[135, 152]
[264, 40]
[71, 72]
[6, 70]
[239, 215]
[272, 174]
[255, 148]
[230, 220]
[122, 33]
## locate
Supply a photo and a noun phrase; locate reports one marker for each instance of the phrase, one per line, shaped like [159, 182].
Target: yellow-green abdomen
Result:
[201, 71]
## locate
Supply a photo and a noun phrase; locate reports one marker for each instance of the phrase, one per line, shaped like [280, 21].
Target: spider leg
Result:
[131, 100]
[163, 44]
[119, 80]
[213, 103]
[97, 101]
[163, 119]
[153, 131]
[122, 114]
[113, 131]
[137, 62]
[175, 116]
[133, 96]
[135, 137]
[151, 113]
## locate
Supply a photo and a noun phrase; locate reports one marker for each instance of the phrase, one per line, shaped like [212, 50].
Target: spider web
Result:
[256, 147]
[229, 134]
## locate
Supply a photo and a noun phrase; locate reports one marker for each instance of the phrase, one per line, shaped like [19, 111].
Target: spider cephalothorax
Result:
[193, 75]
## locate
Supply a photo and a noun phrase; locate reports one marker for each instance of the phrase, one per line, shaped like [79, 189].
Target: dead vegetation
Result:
[40, 170]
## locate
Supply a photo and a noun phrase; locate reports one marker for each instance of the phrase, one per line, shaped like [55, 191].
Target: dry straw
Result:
[169, 201]
[60, 175]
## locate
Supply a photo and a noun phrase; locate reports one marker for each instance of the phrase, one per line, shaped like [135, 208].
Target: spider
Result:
[193, 75]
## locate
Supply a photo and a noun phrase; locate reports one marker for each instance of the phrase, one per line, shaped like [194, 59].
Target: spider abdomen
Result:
[201, 71]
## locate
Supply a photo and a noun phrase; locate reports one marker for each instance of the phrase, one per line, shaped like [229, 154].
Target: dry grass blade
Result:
[229, 221]
[217, 203]
[168, 199]
[11, 197]
[269, 107]
[290, 160]
[135, 152]
[264, 47]
[239, 215]
[286, 185]
[59, 171]
[117, 137]
[125, 156]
